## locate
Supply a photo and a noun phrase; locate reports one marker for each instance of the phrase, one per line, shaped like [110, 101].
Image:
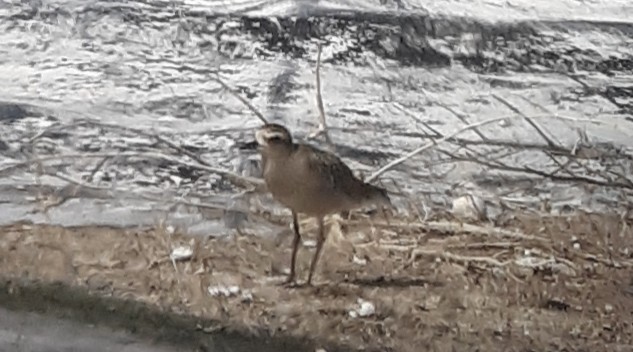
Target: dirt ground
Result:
[542, 284]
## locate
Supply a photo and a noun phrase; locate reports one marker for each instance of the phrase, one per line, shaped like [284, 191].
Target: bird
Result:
[310, 181]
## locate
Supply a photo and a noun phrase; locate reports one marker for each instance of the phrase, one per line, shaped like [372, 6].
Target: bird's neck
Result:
[280, 152]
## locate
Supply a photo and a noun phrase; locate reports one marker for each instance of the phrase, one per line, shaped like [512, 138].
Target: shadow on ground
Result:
[38, 316]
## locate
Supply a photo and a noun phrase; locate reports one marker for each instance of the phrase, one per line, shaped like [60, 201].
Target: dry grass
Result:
[475, 298]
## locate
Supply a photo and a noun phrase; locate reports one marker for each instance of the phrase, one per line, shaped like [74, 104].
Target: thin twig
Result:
[437, 133]
[541, 132]
[96, 169]
[484, 245]
[529, 170]
[140, 132]
[418, 252]
[428, 146]
[460, 116]
[455, 227]
[236, 179]
[322, 129]
[538, 129]
[556, 150]
[242, 99]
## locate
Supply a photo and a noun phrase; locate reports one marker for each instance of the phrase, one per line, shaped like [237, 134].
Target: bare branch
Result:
[462, 117]
[455, 227]
[428, 146]
[242, 99]
[236, 179]
[549, 141]
[529, 170]
[419, 252]
[322, 129]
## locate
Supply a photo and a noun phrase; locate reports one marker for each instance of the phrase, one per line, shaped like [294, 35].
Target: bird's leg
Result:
[295, 248]
[319, 246]
[383, 212]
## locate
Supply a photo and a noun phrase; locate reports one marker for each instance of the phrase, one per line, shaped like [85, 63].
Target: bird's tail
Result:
[377, 196]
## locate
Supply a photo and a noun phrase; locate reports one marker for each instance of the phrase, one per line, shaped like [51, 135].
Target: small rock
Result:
[365, 309]
[608, 308]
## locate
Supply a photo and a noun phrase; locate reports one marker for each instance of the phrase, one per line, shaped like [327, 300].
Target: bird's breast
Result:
[300, 189]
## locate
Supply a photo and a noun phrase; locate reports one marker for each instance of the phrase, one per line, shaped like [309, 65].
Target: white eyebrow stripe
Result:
[271, 134]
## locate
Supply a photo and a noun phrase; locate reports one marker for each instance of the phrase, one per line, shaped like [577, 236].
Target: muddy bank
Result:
[52, 316]
[21, 330]
[536, 283]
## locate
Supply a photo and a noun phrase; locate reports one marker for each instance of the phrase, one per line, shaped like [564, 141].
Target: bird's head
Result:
[273, 138]
[273, 134]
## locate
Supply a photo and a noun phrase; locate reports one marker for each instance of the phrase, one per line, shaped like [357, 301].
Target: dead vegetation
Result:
[567, 289]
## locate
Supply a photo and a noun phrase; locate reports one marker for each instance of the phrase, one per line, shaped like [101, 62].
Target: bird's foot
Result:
[289, 282]
[309, 282]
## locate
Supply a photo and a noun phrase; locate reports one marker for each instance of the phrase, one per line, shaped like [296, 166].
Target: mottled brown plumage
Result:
[310, 181]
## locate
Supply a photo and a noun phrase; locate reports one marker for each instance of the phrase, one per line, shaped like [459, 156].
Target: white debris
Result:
[176, 180]
[359, 261]
[533, 262]
[226, 291]
[469, 207]
[309, 243]
[181, 253]
[364, 309]
[247, 296]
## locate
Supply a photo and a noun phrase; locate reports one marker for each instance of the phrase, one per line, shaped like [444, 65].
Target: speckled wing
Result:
[339, 175]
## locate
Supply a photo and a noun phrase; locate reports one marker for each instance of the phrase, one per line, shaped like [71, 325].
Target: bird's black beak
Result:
[248, 145]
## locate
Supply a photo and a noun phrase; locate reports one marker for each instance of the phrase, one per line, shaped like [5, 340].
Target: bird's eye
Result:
[274, 139]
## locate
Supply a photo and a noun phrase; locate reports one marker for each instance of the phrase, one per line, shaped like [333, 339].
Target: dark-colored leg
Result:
[319, 246]
[295, 248]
